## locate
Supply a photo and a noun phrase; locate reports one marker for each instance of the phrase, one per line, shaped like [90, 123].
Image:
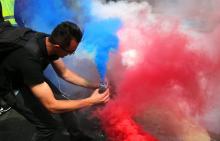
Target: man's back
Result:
[14, 69]
[22, 57]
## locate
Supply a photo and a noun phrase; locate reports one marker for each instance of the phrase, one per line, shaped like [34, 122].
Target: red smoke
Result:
[167, 73]
[119, 125]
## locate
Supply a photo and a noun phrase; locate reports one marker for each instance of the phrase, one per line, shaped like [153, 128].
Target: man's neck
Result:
[49, 46]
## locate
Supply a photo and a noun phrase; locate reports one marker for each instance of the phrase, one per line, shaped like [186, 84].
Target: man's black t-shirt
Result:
[23, 67]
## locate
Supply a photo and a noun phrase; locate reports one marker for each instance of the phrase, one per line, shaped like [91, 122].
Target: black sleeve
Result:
[31, 71]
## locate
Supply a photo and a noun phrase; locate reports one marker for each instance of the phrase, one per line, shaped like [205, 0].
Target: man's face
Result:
[64, 51]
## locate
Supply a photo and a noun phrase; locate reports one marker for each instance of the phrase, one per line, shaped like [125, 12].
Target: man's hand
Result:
[97, 98]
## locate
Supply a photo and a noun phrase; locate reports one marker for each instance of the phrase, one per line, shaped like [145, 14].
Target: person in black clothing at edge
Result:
[3, 106]
[1, 16]
[21, 71]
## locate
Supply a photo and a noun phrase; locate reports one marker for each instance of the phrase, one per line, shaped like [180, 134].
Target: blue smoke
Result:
[99, 35]
[44, 15]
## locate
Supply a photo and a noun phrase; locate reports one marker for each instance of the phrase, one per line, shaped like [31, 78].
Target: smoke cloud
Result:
[166, 69]
[164, 64]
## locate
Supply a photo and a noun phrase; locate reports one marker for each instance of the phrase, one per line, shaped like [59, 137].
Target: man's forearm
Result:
[60, 106]
[78, 80]
[71, 77]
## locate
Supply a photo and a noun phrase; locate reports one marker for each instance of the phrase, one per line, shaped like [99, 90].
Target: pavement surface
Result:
[13, 127]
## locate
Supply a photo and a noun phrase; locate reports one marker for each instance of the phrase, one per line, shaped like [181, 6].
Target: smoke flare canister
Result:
[102, 87]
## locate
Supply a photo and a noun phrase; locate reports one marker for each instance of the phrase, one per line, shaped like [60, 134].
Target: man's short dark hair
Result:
[1, 17]
[64, 33]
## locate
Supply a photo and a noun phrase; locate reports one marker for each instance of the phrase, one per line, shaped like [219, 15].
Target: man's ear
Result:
[56, 46]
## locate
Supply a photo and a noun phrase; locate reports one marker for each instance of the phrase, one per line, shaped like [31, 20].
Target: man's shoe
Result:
[1, 109]
[4, 109]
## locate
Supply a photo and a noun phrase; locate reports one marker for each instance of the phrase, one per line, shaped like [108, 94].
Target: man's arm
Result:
[71, 76]
[45, 95]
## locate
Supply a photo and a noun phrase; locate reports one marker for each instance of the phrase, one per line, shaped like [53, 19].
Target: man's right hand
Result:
[97, 98]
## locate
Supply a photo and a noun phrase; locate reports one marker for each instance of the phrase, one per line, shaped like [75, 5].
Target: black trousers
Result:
[46, 125]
